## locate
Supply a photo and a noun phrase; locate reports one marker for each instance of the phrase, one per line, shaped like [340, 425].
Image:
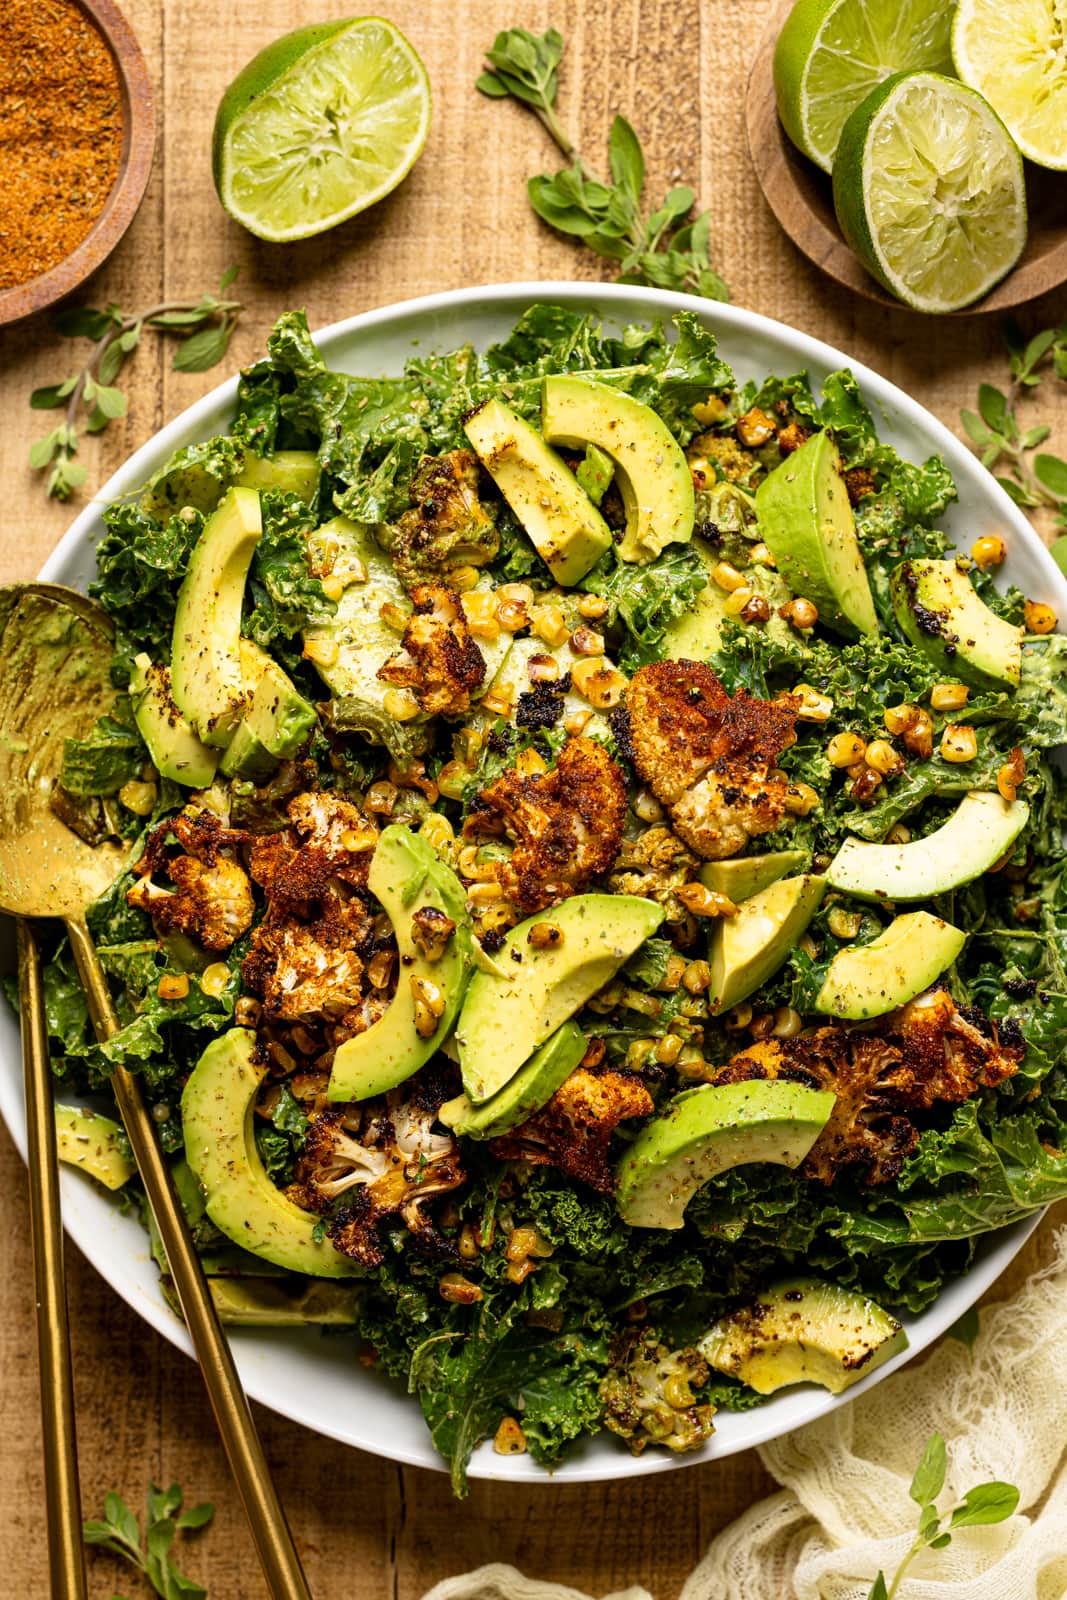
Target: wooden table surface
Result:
[367, 1528]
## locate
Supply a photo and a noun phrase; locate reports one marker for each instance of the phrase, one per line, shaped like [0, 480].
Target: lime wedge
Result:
[929, 191]
[832, 53]
[318, 126]
[1015, 53]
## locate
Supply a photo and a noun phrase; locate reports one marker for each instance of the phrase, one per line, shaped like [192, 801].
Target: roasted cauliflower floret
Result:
[211, 897]
[648, 1394]
[438, 661]
[655, 866]
[447, 526]
[330, 840]
[709, 757]
[567, 823]
[573, 1131]
[928, 1052]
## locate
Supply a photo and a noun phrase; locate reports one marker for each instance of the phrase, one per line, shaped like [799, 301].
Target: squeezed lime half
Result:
[1015, 53]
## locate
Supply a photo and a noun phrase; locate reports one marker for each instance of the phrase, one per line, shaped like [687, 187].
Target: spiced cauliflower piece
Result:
[655, 865]
[211, 897]
[447, 525]
[709, 757]
[438, 662]
[648, 1397]
[567, 824]
[573, 1131]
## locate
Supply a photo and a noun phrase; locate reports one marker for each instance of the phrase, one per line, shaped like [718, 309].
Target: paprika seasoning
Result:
[61, 132]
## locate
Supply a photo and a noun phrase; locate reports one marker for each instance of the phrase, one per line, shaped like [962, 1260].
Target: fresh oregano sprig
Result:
[204, 325]
[1034, 479]
[981, 1506]
[666, 248]
[118, 1531]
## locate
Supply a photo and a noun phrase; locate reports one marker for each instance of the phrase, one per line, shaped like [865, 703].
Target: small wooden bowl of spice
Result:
[76, 145]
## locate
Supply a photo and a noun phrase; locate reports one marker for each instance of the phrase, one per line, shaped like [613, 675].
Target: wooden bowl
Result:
[135, 163]
[799, 193]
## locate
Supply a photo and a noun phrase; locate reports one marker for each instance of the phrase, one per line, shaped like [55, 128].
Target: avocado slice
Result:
[407, 877]
[743, 876]
[697, 634]
[278, 720]
[90, 1141]
[941, 613]
[220, 1146]
[979, 832]
[205, 669]
[804, 514]
[867, 980]
[176, 751]
[748, 948]
[804, 1331]
[289, 471]
[285, 1302]
[564, 525]
[650, 466]
[505, 1017]
[532, 1087]
[706, 1130]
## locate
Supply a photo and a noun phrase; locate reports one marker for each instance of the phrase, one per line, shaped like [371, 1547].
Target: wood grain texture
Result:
[368, 1529]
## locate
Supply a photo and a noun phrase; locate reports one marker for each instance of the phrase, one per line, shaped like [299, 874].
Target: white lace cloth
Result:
[844, 1510]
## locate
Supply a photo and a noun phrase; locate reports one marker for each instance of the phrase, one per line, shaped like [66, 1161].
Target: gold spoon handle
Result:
[270, 1531]
[66, 1555]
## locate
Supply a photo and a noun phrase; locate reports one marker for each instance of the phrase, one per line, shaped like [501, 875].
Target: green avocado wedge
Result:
[805, 516]
[531, 1088]
[941, 613]
[743, 876]
[979, 832]
[218, 1107]
[287, 471]
[804, 1330]
[94, 1144]
[176, 751]
[408, 878]
[749, 947]
[867, 980]
[506, 1016]
[706, 1130]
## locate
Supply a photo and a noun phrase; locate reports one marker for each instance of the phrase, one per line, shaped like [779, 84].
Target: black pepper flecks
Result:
[1020, 988]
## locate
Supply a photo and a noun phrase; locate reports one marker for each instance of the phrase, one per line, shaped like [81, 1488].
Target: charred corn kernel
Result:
[474, 866]
[467, 745]
[899, 719]
[884, 759]
[521, 593]
[246, 1012]
[801, 613]
[677, 1393]
[349, 569]
[173, 986]
[322, 652]
[646, 807]
[597, 681]
[1011, 775]
[545, 936]
[713, 409]
[763, 555]
[401, 704]
[814, 706]
[787, 1023]
[845, 749]
[542, 669]
[322, 552]
[529, 762]
[464, 578]
[429, 993]
[425, 1021]
[381, 797]
[696, 977]
[356, 840]
[700, 901]
[864, 783]
[639, 1053]
[484, 894]
[739, 1017]
[394, 616]
[691, 1063]
[668, 1050]
[499, 703]
[844, 924]
[512, 615]
[452, 780]
[757, 610]
[898, 834]
[333, 588]
[458, 1290]
[592, 607]
[549, 624]
[919, 738]
[480, 613]
[380, 968]
[585, 642]
[959, 742]
[468, 1243]
[509, 1439]
[988, 551]
[188, 513]
[575, 723]
[673, 975]
[809, 947]
[948, 696]
[648, 1005]
[138, 797]
[763, 1026]
[736, 601]
[1038, 618]
[800, 799]
[214, 979]
[755, 428]
[726, 577]
[525, 1247]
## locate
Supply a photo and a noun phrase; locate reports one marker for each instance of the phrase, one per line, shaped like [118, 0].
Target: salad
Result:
[594, 926]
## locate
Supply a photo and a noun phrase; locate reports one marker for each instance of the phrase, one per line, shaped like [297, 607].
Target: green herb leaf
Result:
[929, 1479]
[985, 1504]
[43, 449]
[112, 402]
[204, 349]
[83, 322]
[228, 277]
[878, 1589]
[51, 395]
[1051, 474]
[965, 1328]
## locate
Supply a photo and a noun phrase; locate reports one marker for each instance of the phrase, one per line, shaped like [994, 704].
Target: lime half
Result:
[1015, 53]
[318, 126]
[929, 191]
[832, 53]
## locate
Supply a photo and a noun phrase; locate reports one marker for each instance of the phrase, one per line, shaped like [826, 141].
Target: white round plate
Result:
[317, 1381]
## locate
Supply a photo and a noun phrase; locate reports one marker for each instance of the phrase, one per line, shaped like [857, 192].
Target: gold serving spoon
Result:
[55, 652]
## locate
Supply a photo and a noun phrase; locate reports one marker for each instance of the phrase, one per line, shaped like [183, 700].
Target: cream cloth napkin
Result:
[844, 1510]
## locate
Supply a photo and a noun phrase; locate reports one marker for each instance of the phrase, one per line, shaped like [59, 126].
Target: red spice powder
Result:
[61, 128]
